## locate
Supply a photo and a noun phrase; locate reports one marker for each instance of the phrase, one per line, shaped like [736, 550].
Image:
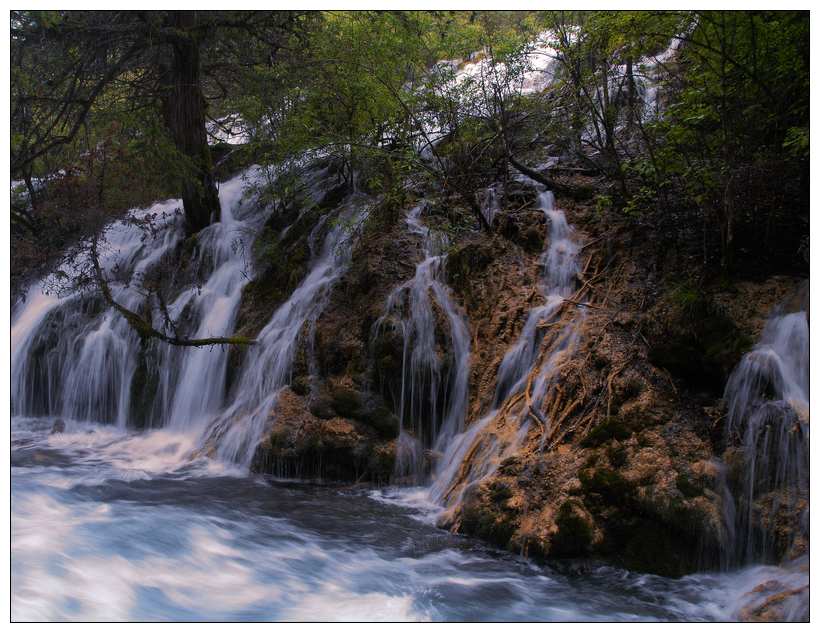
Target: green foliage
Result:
[797, 143]
[721, 166]
[689, 298]
[733, 111]
[603, 204]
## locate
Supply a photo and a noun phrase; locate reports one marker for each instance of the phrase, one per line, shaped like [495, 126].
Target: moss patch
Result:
[574, 535]
[696, 342]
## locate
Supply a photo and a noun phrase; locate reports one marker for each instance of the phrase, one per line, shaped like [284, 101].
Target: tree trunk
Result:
[185, 118]
[33, 197]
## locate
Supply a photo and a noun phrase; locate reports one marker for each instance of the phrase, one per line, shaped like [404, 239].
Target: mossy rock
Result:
[606, 487]
[618, 455]
[377, 416]
[321, 405]
[345, 401]
[614, 428]
[669, 539]
[300, 385]
[466, 262]
[525, 228]
[336, 450]
[499, 491]
[482, 517]
[381, 463]
[697, 343]
[658, 535]
[575, 533]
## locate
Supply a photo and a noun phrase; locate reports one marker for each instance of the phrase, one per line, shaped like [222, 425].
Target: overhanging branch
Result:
[143, 327]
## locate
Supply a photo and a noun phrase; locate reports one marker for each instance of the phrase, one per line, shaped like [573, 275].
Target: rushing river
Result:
[108, 525]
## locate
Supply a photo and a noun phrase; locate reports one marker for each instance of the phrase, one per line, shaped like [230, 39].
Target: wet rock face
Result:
[333, 423]
[305, 446]
[626, 500]
[341, 397]
[496, 283]
[626, 475]
[696, 343]
[618, 471]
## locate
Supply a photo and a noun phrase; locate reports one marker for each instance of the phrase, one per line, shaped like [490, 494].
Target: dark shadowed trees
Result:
[67, 64]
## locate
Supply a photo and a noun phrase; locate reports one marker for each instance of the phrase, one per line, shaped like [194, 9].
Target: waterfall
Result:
[73, 358]
[198, 392]
[560, 270]
[68, 358]
[490, 204]
[238, 430]
[430, 410]
[767, 399]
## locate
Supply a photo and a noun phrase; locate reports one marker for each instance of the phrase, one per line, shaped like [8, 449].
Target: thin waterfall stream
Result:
[238, 430]
[431, 406]
[559, 264]
[768, 436]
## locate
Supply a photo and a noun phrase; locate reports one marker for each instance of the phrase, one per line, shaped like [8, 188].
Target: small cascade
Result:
[650, 76]
[432, 403]
[73, 360]
[560, 271]
[198, 390]
[767, 429]
[69, 358]
[490, 204]
[488, 449]
[237, 431]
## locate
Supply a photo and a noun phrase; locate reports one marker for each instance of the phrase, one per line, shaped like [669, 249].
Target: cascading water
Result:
[490, 204]
[767, 400]
[560, 271]
[72, 362]
[431, 411]
[560, 264]
[142, 538]
[198, 392]
[84, 371]
[237, 431]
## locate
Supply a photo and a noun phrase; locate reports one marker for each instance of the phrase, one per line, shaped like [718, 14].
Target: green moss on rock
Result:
[575, 532]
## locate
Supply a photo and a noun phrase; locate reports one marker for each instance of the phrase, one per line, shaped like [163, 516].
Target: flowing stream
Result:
[559, 263]
[112, 525]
